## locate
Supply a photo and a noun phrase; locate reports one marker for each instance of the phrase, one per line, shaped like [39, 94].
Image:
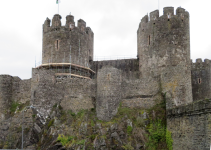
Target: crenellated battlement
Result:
[199, 64]
[69, 26]
[168, 12]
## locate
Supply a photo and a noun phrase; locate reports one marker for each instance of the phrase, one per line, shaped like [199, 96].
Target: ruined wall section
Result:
[21, 90]
[65, 44]
[125, 86]
[108, 92]
[5, 95]
[12, 90]
[49, 90]
[79, 93]
[141, 93]
[44, 94]
[201, 79]
[164, 50]
[190, 125]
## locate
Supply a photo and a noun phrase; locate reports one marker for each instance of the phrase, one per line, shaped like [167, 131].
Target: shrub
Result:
[64, 139]
[71, 113]
[157, 133]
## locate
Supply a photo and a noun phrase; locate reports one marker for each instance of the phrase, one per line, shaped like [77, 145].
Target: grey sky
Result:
[114, 23]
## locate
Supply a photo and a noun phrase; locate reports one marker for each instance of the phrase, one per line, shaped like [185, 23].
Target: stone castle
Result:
[70, 77]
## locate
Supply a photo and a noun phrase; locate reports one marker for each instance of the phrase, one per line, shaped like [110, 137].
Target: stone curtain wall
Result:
[5, 95]
[79, 94]
[71, 93]
[190, 126]
[201, 79]
[128, 67]
[108, 92]
[13, 89]
[140, 93]
[115, 85]
[21, 90]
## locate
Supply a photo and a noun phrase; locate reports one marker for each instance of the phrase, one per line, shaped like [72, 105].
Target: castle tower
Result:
[68, 46]
[164, 51]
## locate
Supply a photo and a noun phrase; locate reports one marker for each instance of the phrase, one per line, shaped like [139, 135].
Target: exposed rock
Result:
[37, 128]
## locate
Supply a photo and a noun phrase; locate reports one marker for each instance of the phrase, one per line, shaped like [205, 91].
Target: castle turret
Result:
[201, 79]
[67, 46]
[164, 50]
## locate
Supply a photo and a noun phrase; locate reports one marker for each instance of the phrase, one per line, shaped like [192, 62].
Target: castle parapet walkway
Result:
[67, 69]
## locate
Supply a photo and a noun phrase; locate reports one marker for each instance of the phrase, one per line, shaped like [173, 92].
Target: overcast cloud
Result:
[114, 23]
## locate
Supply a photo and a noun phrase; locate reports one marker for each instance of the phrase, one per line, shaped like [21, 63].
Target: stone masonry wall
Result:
[114, 85]
[108, 92]
[13, 89]
[128, 67]
[71, 93]
[164, 50]
[201, 79]
[140, 93]
[190, 126]
[5, 95]
[21, 90]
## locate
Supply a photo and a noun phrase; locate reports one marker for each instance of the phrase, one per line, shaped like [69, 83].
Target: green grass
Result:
[65, 139]
[129, 130]
[81, 142]
[50, 123]
[169, 140]
[14, 106]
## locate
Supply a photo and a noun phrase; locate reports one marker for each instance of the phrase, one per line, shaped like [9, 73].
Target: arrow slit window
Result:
[57, 44]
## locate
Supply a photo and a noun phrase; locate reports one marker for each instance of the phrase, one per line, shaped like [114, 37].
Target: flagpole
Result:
[158, 5]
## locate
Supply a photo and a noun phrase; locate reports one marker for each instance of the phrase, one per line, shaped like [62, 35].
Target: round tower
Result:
[67, 46]
[164, 51]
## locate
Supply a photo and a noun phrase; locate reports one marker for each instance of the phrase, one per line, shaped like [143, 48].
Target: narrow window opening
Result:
[168, 19]
[108, 76]
[149, 40]
[38, 78]
[182, 20]
[57, 44]
[153, 23]
[199, 80]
